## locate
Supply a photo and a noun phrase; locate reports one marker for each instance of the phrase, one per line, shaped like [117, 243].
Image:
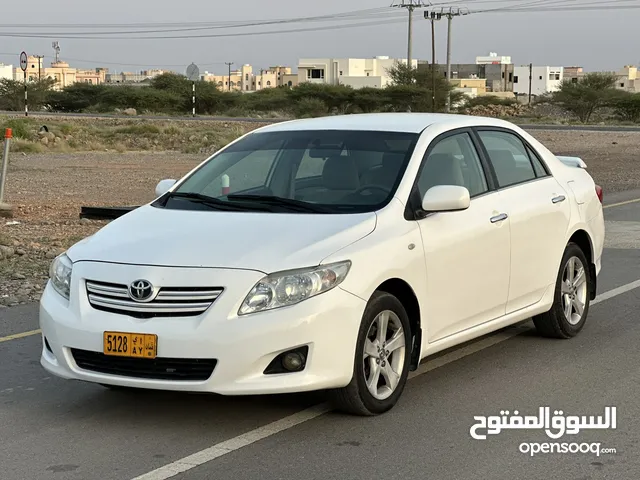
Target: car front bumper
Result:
[242, 346]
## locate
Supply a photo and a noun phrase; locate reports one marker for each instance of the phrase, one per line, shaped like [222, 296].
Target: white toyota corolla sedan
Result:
[329, 254]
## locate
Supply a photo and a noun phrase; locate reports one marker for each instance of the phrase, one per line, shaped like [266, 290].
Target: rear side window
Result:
[509, 157]
[537, 164]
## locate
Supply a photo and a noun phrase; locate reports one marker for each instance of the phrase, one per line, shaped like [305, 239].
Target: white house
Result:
[356, 72]
[6, 71]
[543, 80]
[493, 59]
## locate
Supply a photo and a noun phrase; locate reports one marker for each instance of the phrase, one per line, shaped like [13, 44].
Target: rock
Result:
[20, 252]
[130, 111]
[51, 254]
[23, 298]
[44, 141]
[57, 140]
[205, 139]
[18, 276]
[192, 138]
[85, 221]
[6, 252]
[10, 300]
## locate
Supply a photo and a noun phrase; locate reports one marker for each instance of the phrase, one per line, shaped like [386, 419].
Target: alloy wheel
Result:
[574, 290]
[384, 354]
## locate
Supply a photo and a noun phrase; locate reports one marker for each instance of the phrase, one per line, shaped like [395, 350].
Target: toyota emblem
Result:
[141, 290]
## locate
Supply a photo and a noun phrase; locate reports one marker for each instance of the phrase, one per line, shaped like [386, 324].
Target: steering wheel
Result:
[372, 187]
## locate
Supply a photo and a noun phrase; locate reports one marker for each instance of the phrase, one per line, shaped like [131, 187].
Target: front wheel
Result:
[382, 359]
[570, 308]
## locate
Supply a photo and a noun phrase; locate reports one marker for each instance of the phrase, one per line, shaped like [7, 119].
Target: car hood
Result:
[266, 242]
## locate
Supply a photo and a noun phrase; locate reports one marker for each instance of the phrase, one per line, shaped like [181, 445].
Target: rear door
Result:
[539, 213]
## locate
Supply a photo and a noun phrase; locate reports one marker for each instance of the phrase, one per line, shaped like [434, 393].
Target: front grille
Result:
[169, 302]
[177, 369]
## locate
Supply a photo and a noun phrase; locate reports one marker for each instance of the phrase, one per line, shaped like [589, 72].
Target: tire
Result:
[555, 323]
[356, 398]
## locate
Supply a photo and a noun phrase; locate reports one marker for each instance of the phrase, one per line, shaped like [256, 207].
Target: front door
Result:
[466, 252]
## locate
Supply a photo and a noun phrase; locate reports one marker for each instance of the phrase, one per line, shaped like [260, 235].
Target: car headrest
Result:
[392, 160]
[502, 158]
[340, 173]
[441, 169]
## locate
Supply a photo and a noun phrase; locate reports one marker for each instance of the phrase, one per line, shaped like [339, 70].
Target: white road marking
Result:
[235, 443]
[622, 234]
[619, 204]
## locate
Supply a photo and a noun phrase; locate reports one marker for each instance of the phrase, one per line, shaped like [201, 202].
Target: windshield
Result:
[317, 171]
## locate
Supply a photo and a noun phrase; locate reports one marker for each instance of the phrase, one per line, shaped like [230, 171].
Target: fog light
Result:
[293, 361]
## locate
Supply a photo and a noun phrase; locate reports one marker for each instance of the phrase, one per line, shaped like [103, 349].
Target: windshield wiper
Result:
[297, 205]
[213, 202]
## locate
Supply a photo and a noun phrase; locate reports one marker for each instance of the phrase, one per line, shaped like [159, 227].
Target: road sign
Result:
[193, 72]
[23, 61]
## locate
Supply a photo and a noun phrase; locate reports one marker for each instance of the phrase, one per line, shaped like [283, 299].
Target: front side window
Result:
[453, 161]
[316, 171]
[508, 156]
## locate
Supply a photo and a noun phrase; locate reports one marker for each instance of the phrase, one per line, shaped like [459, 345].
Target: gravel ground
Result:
[47, 191]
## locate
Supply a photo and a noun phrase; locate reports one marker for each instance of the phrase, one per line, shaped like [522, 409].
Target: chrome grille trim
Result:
[170, 301]
[106, 289]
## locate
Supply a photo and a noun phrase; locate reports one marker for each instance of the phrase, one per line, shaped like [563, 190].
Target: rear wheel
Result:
[382, 359]
[571, 303]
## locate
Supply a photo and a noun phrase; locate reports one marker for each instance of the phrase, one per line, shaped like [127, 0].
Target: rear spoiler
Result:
[576, 162]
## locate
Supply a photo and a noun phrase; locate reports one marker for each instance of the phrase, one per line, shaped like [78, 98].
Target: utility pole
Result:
[410, 5]
[228, 64]
[39, 57]
[433, 16]
[530, 79]
[449, 14]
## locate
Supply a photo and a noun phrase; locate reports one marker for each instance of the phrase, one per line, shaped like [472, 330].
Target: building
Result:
[245, 80]
[132, 77]
[493, 59]
[543, 80]
[97, 76]
[572, 74]
[355, 72]
[6, 72]
[498, 76]
[628, 79]
[241, 80]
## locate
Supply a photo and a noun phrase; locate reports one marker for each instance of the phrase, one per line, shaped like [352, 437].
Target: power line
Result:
[220, 35]
[221, 24]
[410, 5]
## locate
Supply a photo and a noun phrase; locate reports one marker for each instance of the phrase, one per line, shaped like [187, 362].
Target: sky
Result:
[595, 40]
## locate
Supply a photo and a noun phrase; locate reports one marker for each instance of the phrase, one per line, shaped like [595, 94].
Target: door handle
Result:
[558, 199]
[499, 218]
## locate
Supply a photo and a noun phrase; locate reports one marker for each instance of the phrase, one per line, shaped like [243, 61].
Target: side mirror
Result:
[164, 186]
[446, 198]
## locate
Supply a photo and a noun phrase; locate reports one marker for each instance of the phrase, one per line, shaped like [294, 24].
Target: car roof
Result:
[389, 122]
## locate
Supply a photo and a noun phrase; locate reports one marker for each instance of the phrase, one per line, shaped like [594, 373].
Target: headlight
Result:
[288, 288]
[60, 275]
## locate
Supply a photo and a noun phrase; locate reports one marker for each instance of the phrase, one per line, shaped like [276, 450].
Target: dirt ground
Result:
[47, 191]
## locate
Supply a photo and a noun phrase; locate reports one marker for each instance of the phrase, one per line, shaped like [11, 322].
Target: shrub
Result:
[627, 106]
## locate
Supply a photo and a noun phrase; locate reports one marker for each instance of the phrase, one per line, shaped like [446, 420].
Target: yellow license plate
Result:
[136, 345]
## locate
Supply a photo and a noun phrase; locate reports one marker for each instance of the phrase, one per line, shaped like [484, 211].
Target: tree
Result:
[627, 106]
[422, 77]
[12, 94]
[583, 98]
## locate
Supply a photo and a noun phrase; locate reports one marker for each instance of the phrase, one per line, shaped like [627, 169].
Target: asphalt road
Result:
[204, 118]
[52, 429]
